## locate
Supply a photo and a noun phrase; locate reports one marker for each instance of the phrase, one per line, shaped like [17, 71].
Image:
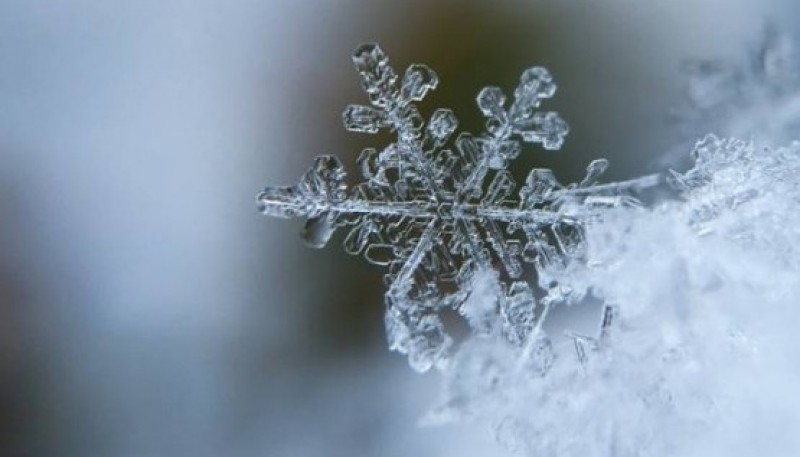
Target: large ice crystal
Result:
[693, 352]
[439, 213]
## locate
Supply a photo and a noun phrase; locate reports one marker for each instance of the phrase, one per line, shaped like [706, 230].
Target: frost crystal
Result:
[437, 214]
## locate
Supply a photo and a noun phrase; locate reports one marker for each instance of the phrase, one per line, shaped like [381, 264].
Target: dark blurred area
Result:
[146, 309]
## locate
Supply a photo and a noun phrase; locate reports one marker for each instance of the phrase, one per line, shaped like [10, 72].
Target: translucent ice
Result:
[436, 216]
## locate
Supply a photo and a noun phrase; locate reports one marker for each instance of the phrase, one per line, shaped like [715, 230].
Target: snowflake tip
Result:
[548, 128]
[442, 124]
[418, 80]
[363, 119]
[596, 168]
[491, 100]
[282, 202]
[536, 81]
[368, 57]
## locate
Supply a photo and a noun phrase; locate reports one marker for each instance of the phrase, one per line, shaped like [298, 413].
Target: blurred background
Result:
[147, 309]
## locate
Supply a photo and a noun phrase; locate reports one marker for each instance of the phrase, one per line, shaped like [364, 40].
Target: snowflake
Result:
[437, 213]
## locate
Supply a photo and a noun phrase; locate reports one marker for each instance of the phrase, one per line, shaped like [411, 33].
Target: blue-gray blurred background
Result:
[146, 309]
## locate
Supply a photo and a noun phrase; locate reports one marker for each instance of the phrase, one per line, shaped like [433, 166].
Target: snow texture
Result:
[699, 357]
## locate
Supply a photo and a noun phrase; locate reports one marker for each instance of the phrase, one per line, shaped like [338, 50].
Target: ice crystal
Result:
[729, 174]
[438, 213]
[691, 354]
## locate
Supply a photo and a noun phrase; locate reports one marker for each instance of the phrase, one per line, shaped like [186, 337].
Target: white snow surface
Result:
[701, 358]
